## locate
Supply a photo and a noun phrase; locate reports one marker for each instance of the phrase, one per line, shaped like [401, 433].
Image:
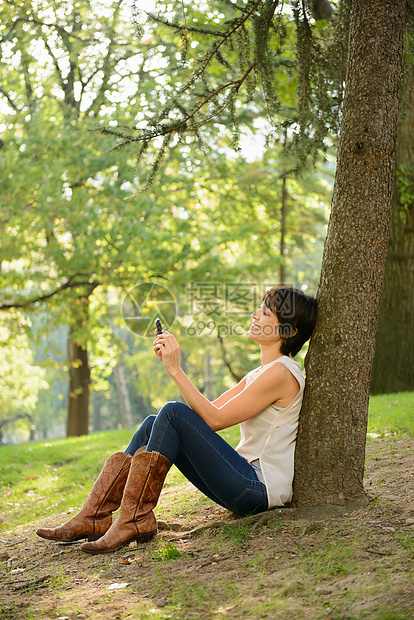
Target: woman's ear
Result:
[287, 331]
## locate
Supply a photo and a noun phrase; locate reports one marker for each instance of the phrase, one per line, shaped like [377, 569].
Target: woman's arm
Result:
[263, 391]
[244, 404]
[226, 396]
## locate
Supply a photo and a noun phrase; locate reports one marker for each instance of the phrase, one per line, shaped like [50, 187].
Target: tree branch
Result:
[39, 22]
[70, 283]
[173, 128]
[176, 126]
[225, 360]
[16, 418]
[10, 101]
[177, 26]
[210, 56]
[106, 66]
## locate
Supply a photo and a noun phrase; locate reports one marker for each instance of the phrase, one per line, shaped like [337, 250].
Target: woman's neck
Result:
[269, 354]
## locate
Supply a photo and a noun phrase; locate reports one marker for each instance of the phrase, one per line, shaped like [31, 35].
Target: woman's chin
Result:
[251, 334]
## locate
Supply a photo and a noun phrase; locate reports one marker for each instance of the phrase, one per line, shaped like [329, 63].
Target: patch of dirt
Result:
[349, 566]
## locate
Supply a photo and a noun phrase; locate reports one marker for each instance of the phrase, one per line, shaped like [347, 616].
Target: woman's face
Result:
[265, 326]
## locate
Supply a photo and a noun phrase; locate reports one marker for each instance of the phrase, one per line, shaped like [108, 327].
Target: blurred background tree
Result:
[393, 369]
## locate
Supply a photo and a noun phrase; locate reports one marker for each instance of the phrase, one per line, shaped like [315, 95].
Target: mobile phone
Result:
[158, 325]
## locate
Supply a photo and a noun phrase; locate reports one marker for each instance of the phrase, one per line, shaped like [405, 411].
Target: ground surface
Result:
[349, 566]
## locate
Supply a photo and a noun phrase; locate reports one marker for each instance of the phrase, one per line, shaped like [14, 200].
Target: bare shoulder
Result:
[276, 374]
[279, 371]
[285, 383]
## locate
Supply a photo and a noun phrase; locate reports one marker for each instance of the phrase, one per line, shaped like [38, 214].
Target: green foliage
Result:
[76, 231]
[21, 379]
[405, 185]
[76, 235]
[258, 59]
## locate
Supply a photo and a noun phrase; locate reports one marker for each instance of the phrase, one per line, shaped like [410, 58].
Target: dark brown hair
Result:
[296, 313]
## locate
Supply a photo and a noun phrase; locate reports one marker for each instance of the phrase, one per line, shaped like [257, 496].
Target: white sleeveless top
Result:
[270, 437]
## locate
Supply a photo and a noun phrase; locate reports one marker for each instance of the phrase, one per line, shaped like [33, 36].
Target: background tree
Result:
[393, 369]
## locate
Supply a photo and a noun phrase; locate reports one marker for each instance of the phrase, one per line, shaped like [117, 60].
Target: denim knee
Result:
[141, 435]
[171, 408]
[148, 422]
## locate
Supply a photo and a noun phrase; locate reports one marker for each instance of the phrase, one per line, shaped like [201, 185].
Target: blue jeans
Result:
[204, 458]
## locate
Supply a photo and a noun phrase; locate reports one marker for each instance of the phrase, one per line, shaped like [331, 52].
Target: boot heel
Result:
[145, 537]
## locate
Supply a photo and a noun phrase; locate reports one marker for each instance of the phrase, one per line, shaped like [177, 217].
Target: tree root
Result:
[255, 520]
[311, 513]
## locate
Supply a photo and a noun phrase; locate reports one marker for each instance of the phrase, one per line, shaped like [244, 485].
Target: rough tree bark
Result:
[330, 451]
[393, 369]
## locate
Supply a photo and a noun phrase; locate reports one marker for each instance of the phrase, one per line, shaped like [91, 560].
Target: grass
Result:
[165, 551]
[237, 535]
[39, 478]
[333, 560]
[392, 414]
[386, 613]
[407, 542]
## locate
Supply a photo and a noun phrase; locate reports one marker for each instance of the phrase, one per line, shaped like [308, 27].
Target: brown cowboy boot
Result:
[136, 520]
[95, 518]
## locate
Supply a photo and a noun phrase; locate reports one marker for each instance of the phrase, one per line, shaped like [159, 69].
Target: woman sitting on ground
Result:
[255, 476]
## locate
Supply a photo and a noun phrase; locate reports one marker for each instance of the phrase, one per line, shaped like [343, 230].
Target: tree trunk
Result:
[283, 233]
[79, 380]
[123, 396]
[183, 364]
[393, 369]
[96, 409]
[208, 378]
[330, 451]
